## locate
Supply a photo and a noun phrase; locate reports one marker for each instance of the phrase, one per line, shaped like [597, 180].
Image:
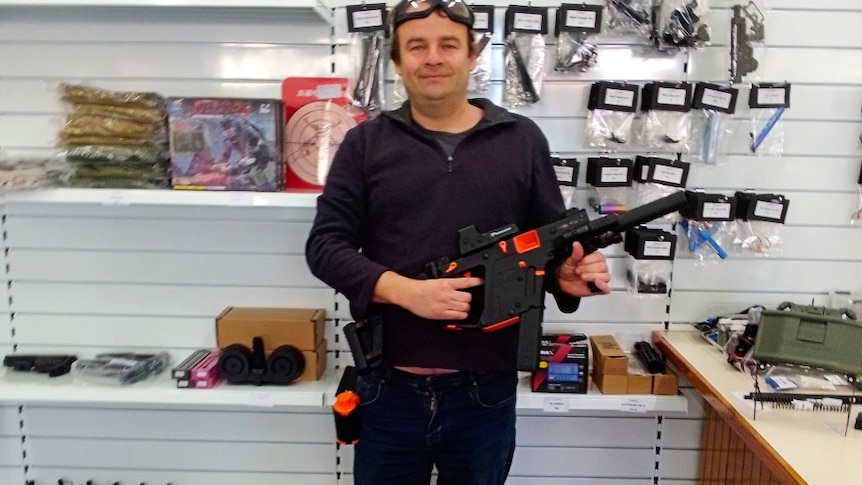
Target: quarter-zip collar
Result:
[492, 114]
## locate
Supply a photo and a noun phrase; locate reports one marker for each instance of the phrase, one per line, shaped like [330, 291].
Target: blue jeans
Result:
[464, 423]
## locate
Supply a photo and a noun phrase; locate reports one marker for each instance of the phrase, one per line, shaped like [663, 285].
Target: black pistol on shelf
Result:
[53, 365]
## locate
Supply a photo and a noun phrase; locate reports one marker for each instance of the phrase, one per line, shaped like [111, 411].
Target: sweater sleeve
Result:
[546, 205]
[333, 248]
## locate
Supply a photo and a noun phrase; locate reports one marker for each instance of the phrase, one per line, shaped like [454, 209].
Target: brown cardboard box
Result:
[609, 383]
[665, 384]
[315, 363]
[300, 327]
[608, 357]
[639, 384]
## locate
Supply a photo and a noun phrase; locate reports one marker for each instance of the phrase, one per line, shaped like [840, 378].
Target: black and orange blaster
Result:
[345, 409]
[513, 266]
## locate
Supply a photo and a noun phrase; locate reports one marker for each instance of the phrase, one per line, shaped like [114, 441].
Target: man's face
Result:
[436, 58]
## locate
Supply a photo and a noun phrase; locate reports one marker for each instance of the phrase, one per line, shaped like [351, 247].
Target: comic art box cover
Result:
[317, 114]
[226, 144]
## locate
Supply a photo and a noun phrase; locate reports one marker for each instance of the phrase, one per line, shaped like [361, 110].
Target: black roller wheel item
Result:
[234, 362]
[284, 365]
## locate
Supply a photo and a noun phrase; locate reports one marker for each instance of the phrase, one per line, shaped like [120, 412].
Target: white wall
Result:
[87, 277]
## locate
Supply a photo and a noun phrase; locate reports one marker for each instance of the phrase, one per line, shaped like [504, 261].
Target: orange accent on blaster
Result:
[527, 241]
[452, 266]
[503, 246]
[345, 443]
[467, 274]
[452, 327]
[503, 324]
[522, 264]
[345, 403]
[540, 272]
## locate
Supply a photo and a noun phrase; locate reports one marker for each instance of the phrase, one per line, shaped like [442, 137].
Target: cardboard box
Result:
[665, 384]
[636, 381]
[610, 383]
[300, 327]
[639, 384]
[563, 365]
[608, 357]
[315, 363]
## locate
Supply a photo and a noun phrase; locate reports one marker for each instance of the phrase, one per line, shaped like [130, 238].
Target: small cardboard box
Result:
[665, 384]
[609, 383]
[300, 327]
[639, 384]
[315, 363]
[608, 357]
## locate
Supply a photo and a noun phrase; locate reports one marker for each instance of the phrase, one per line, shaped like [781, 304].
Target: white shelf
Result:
[592, 401]
[169, 3]
[596, 401]
[27, 388]
[121, 197]
[322, 7]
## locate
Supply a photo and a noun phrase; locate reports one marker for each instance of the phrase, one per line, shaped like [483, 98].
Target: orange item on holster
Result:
[345, 409]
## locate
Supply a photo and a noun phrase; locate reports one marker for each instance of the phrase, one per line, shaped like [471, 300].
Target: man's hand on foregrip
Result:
[578, 270]
[434, 299]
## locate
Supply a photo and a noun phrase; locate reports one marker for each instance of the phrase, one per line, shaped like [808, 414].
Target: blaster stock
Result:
[513, 265]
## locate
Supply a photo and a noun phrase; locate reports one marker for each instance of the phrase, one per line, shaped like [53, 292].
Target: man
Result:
[398, 190]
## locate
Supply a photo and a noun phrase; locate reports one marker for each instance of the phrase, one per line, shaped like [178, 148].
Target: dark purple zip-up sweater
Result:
[394, 201]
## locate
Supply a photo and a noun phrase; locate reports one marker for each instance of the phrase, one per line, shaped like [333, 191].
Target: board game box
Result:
[226, 144]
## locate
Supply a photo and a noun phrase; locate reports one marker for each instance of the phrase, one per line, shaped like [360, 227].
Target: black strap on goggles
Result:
[456, 10]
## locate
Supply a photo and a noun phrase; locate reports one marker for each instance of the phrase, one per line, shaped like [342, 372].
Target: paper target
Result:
[312, 135]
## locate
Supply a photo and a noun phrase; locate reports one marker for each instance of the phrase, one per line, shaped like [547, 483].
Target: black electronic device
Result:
[240, 365]
[53, 365]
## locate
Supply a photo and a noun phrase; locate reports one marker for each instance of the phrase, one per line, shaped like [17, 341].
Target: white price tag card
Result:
[555, 405]
[633, 406]
[239, 198]
[117, 197]
[261, 399]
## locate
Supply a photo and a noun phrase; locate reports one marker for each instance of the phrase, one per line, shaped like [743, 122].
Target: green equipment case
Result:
[809, 335]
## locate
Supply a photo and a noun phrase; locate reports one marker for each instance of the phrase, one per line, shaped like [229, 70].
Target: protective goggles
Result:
[456, 10]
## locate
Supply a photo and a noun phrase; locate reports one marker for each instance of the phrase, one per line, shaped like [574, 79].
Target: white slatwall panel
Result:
[5, 316]
[294, 447]
[11, 470]
[155, 277]
[818, 171]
